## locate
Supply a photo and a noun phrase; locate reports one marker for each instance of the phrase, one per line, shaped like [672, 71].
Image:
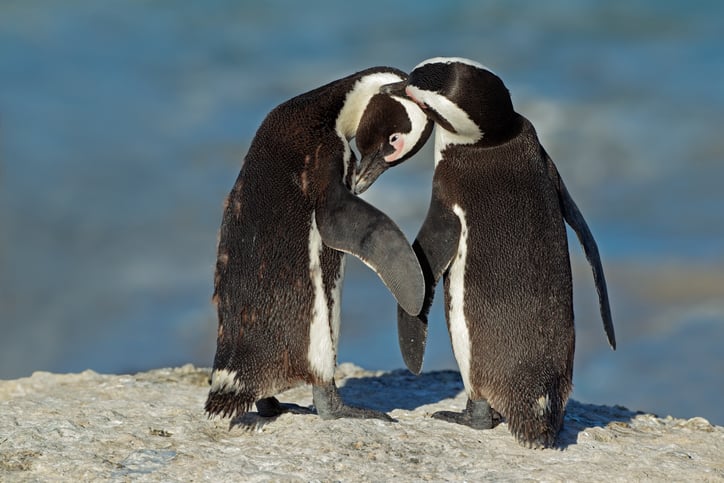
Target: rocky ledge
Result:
[151, 426]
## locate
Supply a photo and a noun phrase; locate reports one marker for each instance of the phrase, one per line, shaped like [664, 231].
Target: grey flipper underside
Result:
[575, 219]
[435, 247]
[351, 225]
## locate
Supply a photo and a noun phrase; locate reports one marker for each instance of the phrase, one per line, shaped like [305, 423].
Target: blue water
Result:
[123, 126]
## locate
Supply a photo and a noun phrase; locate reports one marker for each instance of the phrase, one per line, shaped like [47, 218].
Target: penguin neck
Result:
[518, 127]
[445, 138]
[357, 99]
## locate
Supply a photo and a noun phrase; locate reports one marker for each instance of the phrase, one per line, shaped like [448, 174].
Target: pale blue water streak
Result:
[122, 127]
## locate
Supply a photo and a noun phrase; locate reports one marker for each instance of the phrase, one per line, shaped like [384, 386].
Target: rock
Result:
[151, 426]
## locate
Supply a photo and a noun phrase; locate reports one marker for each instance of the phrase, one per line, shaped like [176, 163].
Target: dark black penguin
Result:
[286, 223]
[495, 231]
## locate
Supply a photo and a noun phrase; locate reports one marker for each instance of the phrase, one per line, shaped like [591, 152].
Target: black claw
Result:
[477, 415]
[329, 405]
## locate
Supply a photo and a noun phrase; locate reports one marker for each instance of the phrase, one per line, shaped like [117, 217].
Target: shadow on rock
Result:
[254, 421]
[401, 389]
[582, 416]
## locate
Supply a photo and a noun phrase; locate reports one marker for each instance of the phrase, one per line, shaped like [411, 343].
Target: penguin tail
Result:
[535, 430]
[536, 419]
[228, 403]
[228, 396]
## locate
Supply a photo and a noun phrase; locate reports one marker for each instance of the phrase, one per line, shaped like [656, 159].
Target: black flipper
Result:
[576, 221]
[351, 225]
[435, 247]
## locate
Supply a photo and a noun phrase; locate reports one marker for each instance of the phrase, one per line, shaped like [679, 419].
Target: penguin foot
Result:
[477, 415]
[329, 405]
[270, 407]
[268, 410]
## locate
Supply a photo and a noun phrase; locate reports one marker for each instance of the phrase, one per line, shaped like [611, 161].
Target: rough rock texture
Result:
[151, 426]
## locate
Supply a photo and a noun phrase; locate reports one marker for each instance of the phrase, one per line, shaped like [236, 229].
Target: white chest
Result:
[459, 331]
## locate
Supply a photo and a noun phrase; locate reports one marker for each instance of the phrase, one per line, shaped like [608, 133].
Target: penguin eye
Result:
[394, 138]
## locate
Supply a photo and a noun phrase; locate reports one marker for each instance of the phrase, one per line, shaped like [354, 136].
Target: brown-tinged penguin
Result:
[495, 231]
[287, 223]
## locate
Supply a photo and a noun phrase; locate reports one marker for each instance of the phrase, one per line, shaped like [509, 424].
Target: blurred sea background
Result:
[123, 126]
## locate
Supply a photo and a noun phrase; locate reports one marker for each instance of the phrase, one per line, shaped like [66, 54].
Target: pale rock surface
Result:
[151, 427]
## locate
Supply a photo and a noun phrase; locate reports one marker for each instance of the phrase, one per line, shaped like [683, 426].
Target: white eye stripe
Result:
[467, 131]
[357, 99]
[355, 102]
[418, 120]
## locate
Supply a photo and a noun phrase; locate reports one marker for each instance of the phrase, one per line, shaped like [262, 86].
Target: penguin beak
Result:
[370, 168]
[395, 89]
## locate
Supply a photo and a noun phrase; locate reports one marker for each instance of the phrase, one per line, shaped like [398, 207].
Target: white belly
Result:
[459, 332]
[324, 328]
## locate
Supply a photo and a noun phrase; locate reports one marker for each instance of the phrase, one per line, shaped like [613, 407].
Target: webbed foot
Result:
[329, 405]
[270, 407]
[477, 415]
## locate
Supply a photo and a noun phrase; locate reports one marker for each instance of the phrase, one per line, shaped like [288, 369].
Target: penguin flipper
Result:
[351, 225]
[435, 246]
[575, 219]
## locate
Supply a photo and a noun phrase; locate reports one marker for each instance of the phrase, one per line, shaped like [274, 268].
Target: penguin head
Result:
[391, 130]
[463, 97]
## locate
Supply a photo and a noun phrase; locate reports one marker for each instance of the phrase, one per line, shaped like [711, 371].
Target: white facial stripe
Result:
[459, 333]
[418, 119]
[321, 347]
[467, 131]
[354, 105]
[450, 60]
[357, 99]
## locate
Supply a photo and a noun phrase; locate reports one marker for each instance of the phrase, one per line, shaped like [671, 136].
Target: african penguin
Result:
[287, 223]
[495, 231]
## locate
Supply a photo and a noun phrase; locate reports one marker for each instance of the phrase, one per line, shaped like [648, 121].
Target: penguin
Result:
[287, 223]
[495, 231]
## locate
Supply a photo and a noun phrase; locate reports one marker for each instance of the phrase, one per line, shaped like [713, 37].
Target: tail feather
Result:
[229, 396]
[535, 429]
[226, 403]
[535, 417]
